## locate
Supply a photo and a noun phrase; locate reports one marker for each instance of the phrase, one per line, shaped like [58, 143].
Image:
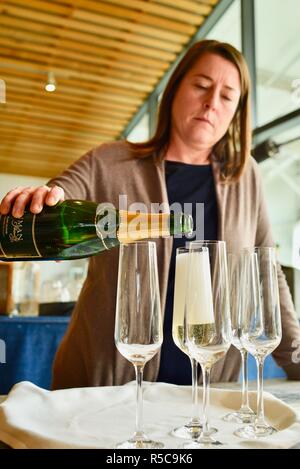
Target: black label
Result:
[17, 236]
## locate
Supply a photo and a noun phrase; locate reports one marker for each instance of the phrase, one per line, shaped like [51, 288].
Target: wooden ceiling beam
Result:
[62, 45]
[133, 32]
[9, 38]
[208, 2]
[56, 105]
[44, 121]
[50, 7]
[115, 54]
[71, 102]
[60, 114]
[42, 131]
[7, 45]
[59, 153]
[91, 91]
[160, 10]
[8, 134]
[33, 167]
[98, 24]
[136, 16]
[187, 5]
[30, 158]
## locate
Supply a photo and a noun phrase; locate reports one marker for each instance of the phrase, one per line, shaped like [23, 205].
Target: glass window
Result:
[281, 177]
[277, 58]
[228, 28]
[140, 133]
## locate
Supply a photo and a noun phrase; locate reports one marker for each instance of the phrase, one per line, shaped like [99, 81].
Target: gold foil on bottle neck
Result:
[136, 226]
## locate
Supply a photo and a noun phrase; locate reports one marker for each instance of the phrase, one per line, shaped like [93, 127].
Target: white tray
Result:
[32, 417]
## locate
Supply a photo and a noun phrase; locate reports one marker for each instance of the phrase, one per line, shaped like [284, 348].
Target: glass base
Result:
[240, 416]
[202, 442]
[190, 431]
[255, 431]
[140, 444]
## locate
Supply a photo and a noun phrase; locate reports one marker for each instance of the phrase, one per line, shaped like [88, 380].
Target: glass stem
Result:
[206, 385]
[195, 409]
[245, 396]
[139, 401]
[260, 419]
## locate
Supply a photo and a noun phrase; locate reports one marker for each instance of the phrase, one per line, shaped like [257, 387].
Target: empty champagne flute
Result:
[261, 323]
[207, 318]
[138, 326]
[192, 429]
[235, 275]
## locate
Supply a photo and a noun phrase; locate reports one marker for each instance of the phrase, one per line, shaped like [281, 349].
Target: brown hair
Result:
[233, 150]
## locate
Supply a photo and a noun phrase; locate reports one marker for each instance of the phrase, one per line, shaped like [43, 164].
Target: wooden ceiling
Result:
[107, 57]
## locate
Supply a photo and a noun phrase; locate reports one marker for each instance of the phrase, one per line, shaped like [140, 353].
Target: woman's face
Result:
[205, 102]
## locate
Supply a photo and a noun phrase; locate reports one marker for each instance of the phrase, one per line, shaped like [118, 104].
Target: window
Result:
[281, 177]
[277, 58]
[140, 133]
[228, 28]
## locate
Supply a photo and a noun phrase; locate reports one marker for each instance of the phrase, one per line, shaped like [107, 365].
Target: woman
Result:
[200, 153]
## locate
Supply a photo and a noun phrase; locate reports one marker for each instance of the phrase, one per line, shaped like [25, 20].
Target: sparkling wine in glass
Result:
[192, 428]
[236, 291]
[138, 326]
[261, 323]
[207, 317]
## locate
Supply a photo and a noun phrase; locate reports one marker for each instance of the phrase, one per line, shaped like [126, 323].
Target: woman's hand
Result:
[17, 199]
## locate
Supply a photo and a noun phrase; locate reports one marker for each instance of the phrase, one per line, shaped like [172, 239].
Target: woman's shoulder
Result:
[113, 151]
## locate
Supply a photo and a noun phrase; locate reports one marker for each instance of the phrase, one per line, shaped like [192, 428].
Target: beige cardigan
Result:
[87, 355]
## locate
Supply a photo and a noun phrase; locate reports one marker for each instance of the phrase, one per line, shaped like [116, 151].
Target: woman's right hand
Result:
[17, 199]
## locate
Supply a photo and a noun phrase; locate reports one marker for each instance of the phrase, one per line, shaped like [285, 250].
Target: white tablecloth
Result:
[32, 417]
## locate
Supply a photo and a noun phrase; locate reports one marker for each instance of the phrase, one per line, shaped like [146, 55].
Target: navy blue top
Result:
[186, 183]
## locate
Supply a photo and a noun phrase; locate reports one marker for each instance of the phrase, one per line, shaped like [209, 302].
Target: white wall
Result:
[9, 181]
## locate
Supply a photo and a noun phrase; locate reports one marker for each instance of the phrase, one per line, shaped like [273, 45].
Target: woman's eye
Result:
[201, 87]
[226, 98]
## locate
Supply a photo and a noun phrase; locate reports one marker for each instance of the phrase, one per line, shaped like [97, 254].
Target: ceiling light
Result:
[51, 83]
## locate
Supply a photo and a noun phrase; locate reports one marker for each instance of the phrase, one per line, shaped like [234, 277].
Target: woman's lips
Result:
[202, 119]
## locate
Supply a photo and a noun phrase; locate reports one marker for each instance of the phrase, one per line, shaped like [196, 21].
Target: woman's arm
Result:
[77, 179]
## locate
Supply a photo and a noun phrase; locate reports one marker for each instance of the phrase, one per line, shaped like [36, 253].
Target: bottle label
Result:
[17, 237]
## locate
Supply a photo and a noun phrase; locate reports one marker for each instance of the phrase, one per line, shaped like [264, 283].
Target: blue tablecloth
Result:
[29, 344]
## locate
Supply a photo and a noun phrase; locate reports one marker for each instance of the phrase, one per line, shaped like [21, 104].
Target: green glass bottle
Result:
[75, 228]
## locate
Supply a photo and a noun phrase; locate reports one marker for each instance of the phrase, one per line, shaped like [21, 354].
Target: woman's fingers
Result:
[17, 199]
[56, 194]
[45, 195]
[20, 201]
[9, 199]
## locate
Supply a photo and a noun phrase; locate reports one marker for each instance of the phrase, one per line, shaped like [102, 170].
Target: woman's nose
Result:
[210, 101]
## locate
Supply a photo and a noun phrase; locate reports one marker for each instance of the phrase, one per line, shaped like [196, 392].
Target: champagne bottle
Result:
[75, 228]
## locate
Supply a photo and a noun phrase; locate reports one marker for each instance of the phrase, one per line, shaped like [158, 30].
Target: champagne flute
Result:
[138, 326]
[192, 429]
[207, 316]
[245, 414]
[261, 324]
